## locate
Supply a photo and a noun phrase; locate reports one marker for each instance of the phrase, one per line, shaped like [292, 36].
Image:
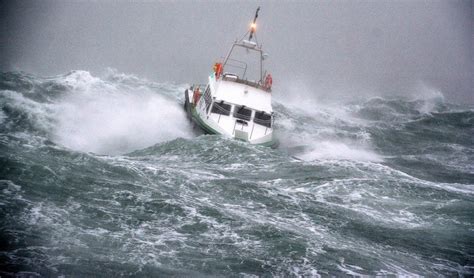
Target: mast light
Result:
[253, 26]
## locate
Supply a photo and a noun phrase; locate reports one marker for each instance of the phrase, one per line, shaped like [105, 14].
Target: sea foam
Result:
[111, 118]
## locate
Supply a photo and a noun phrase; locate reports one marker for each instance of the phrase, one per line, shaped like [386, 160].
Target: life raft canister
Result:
[268, 82]
[218, 70]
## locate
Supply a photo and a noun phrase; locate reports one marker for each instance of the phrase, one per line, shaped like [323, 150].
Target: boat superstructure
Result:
[236, 101]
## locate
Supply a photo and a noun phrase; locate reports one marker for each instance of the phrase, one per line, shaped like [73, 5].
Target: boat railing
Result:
[236, 64]
[236, 79]
[249, 46]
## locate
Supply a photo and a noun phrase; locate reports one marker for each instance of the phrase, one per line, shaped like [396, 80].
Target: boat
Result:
[236, 102]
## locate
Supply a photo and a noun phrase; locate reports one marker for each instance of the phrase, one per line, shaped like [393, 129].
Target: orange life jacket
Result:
[218, 70]
[268, 81]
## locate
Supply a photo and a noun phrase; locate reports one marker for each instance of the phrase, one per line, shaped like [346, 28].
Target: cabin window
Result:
[243, 113]
[263, 118]
[221, 108]
[207, 99]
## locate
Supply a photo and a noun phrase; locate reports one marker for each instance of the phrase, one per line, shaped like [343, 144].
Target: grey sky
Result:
[353, 47]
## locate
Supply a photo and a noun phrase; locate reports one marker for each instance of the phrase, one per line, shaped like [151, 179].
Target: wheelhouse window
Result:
[221, 108]
[207, 99]
[243, 113]
[263, 118]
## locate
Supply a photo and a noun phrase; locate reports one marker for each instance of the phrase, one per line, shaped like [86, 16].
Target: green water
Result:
[105, 177]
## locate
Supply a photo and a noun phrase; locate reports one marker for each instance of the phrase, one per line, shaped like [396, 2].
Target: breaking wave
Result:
[105, 175]
[117, 114]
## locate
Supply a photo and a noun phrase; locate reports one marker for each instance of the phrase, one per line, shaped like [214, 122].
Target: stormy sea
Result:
[105, 176]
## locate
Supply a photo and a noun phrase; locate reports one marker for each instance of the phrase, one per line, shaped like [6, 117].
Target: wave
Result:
[369, 187]
[117, 114]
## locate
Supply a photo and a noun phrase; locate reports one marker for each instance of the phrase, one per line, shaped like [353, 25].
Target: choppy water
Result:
[104, 177]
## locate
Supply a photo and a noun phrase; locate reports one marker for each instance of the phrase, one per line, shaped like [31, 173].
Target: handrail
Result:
[257, 49]
[256, 85]
[233, 63]
[243, 64]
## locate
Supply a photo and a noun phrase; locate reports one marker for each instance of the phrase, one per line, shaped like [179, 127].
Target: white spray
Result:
[111, 118]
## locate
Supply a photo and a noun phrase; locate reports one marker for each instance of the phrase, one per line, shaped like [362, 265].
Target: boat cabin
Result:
[237, 99]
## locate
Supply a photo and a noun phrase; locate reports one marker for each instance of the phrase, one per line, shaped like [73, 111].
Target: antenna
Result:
[253, 27]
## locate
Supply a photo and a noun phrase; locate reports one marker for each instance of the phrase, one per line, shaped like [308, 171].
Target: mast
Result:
[253, 27]
[249, 44]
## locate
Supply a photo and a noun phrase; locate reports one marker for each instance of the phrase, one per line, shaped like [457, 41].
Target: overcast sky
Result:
[377, 47]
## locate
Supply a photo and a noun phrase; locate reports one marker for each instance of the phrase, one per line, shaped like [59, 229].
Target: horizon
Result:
[318, 49]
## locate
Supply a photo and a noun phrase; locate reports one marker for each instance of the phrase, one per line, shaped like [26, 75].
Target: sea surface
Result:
[105, 176]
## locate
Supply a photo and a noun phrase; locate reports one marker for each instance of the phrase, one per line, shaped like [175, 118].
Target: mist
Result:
[323, 49]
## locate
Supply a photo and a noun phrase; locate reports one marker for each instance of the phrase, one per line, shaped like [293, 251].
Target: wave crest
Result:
[91, 114]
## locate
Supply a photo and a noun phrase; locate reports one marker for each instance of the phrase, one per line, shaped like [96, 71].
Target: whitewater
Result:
[105, 176]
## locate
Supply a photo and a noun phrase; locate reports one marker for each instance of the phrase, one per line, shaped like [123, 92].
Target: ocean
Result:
[105, 176]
